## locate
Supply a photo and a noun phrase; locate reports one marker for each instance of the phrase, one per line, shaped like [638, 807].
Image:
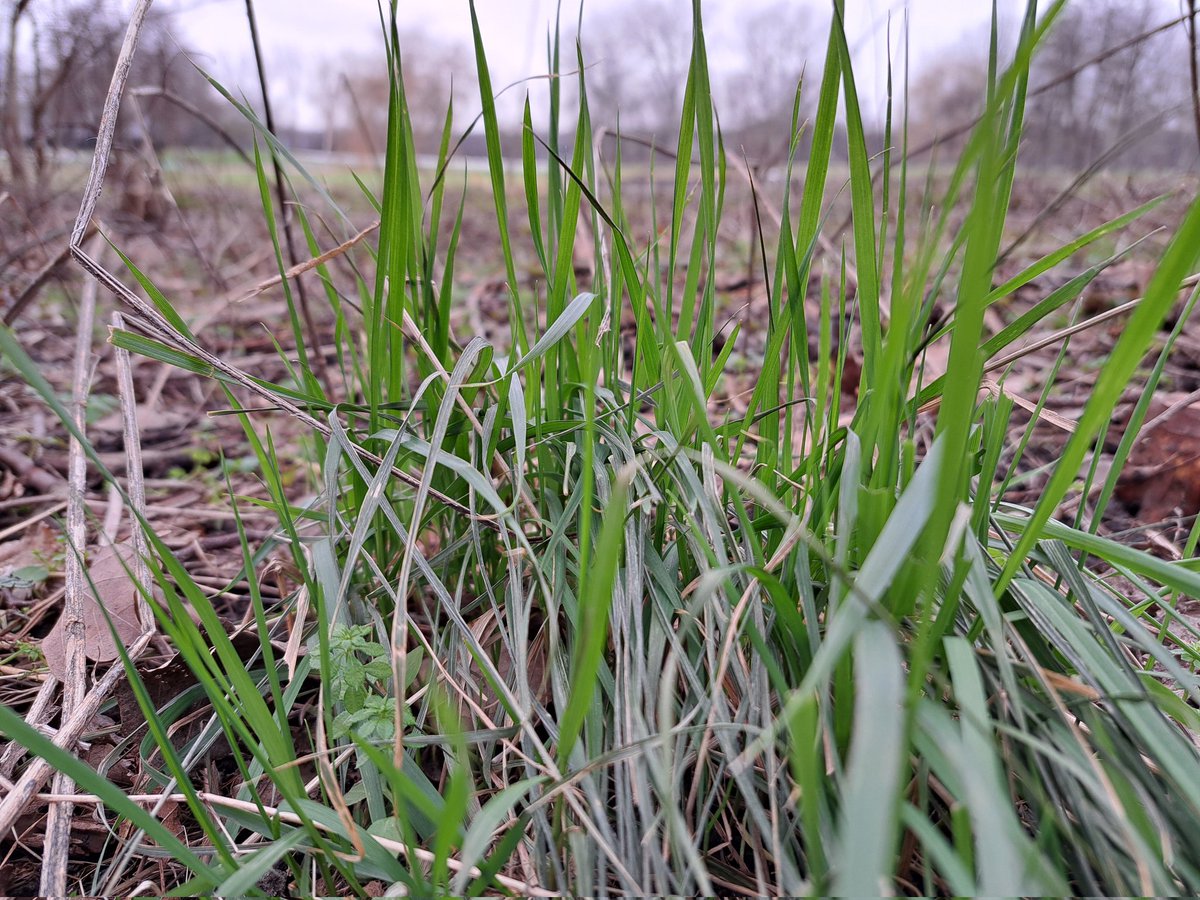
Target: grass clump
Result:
[568, 631]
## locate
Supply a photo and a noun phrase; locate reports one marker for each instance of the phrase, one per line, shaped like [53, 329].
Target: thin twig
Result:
[190, 108]
[283, 815]
[1049, 340]
[281, 192]
[41, 242]
[108, 124]
[134, 477]
[360, 119]
[772, 212]
[150, 157]
[1170, 412]
[1130, 138]
[1193, 65]
[32, 475]
[414, 853]
[301, 268]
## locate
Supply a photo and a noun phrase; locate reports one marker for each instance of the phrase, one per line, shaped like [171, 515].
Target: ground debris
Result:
[1162, 477]
[110, 607]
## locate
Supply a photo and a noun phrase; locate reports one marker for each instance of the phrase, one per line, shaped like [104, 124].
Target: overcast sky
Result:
[307, 40]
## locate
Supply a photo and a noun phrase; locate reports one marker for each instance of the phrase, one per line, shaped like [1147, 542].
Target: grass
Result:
[566, 630]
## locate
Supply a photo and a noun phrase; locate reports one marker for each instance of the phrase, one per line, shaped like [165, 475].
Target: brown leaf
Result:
[21, 558]
[1162, 477]
[115, 593]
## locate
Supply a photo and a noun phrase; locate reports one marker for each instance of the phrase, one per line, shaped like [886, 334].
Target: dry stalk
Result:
[1049, 340]
[1053, 338]
[39, 714]
[150, 156]
[134, 478]
[498, 462]
[39, 770]
[195, 111]
[289, 238]
[301, 268]
[283, 815]
[1193, 63]
[793, 535]
[1171, 411]
[58, 819]
[772, 212]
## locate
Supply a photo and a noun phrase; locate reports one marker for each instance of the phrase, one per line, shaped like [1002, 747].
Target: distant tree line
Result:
[1128, 109]
[1133, 108]
[1088, 105]
[57, 60]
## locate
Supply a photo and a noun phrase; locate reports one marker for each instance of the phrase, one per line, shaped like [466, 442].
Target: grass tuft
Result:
[601, 639]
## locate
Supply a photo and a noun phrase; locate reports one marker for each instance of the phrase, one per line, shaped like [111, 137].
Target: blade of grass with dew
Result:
[592, 633]
[1000, 853]
[863, 863]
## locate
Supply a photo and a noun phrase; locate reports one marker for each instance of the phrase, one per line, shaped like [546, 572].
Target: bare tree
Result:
[10, 129]
[1102, 104]
[57, 70]
[756, 95]
[1107, 86]
[638, 57]
[431, 67]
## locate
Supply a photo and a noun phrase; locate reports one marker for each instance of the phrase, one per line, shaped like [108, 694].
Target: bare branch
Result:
[1071, 73]
[193, 110]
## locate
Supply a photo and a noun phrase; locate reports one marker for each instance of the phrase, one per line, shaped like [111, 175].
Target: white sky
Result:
[306, 39]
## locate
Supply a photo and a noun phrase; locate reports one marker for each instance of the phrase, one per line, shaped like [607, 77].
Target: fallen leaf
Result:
[25, 564]
[1162, 476]
[115, 593]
